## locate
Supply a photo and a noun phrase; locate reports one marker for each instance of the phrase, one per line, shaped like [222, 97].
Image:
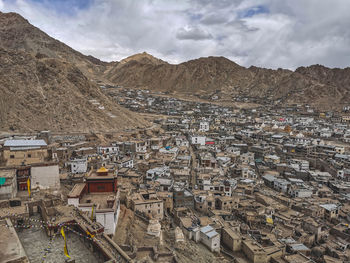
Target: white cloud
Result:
[192, 33]
[269, 33]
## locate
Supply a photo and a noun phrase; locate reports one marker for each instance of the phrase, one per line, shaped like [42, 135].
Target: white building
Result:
[247, 158]
[104, 208]
[126, 162]
[299, 189]
[300, 192]
[210, 238]
[204, 126]
[140, 147]
[45, 176]
[108, 149]
[78, 166]
[181, 141]
[151, 174]
[198, 140]
[300, 165]
[281, 185]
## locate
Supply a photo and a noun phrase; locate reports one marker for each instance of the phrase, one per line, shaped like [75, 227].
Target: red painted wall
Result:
[100, 187]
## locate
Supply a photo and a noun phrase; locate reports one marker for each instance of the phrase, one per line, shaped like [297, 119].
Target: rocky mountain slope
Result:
[44, 85]
[16, 33]
[316, 85]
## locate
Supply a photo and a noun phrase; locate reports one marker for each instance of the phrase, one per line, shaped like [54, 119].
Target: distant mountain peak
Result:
[12, 15]
[143, 58]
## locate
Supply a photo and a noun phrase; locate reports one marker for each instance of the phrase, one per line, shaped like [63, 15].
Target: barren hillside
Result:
[44, 84]
[317, 85]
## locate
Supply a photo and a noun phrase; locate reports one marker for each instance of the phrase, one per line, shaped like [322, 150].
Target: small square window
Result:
[12, 156]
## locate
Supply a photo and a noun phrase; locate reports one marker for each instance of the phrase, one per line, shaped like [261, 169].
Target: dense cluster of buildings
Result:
[264, 184]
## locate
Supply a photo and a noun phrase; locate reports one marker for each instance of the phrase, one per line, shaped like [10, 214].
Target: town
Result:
[207, 182]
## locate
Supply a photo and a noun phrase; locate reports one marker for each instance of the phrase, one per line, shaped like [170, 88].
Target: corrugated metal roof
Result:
[269, 177]
[212, 234]
[329, 207]
[297, 247]
[206, 229]
[25, 143]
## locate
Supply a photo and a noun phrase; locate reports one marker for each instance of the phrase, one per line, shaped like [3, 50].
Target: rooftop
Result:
[7, 173]
[77, 190]
[11, 248]
[329, 207]
[25, 143]
[101, 200]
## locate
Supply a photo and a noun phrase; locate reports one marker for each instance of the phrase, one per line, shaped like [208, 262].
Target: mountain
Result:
[48, 85]
[44, 84]
[16, 33]
[192, 76]
[335, 77]
[316, 85]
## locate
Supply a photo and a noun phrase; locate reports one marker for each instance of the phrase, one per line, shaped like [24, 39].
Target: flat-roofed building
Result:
[24, 152]
[210, 238]
[262, 252]
[11, 249]
[45, 176]
[8, 184]
[330, 211]
[101, 180]
[148, 204]
[78, 165]
[231, 239]
[100, 197]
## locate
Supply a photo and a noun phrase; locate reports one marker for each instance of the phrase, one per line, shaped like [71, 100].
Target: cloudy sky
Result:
[268, 33]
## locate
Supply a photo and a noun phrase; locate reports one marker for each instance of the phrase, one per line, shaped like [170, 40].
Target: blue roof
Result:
[299, 247]
[211, 234]
[25, 143]
[206, 229]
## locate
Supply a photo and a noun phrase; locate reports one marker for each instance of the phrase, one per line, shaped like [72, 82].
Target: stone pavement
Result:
[35, 243]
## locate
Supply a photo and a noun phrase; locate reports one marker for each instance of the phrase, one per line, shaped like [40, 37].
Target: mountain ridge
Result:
[317, 85]
[45, 84]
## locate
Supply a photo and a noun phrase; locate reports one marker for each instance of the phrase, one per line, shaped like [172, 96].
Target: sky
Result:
[264, 33]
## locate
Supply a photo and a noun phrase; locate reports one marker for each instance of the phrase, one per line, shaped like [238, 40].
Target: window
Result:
[149, 211]
[158, 205]
[12, 156]
[158, 211]
[29, 155]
